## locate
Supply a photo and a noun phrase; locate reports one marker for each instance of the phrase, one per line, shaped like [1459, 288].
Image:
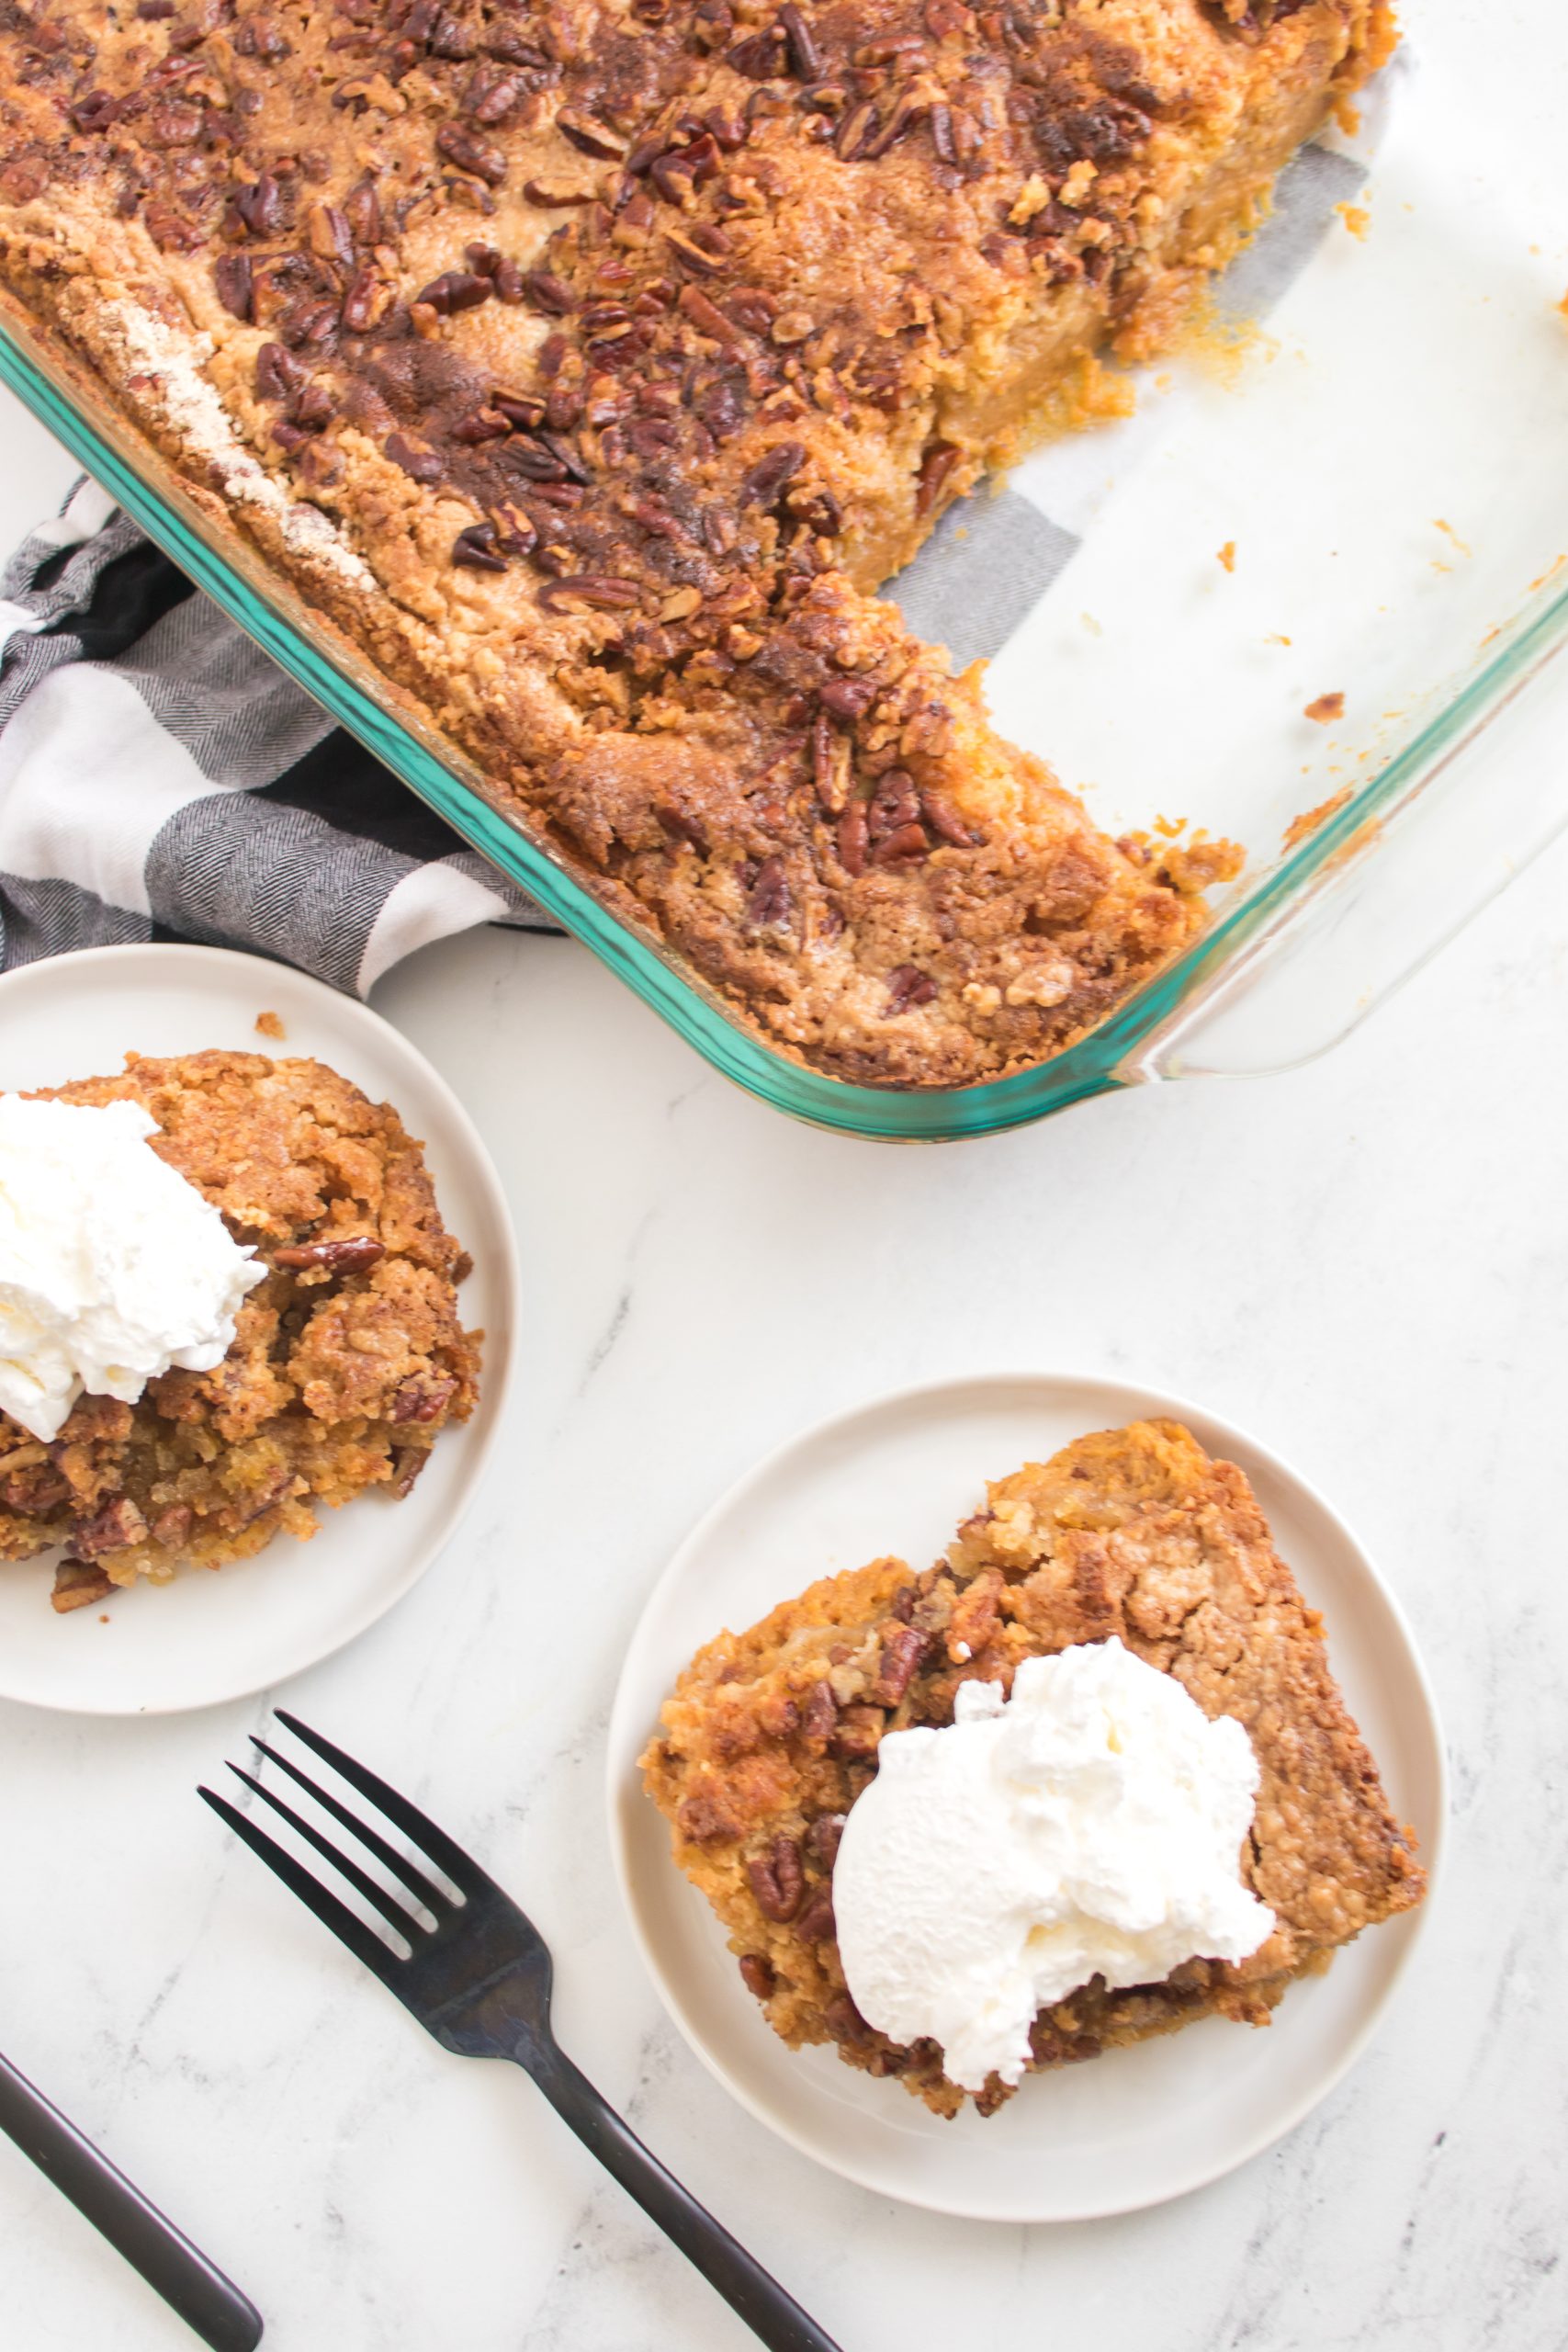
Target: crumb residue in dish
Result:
[1327, 708]
[1310, 819]
[270, 1025]
[1227, 556]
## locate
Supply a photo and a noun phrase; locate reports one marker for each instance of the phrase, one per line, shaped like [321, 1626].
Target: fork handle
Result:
[208, 2301]
[771, 2314]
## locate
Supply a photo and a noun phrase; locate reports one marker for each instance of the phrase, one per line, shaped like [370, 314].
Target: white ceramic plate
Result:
[208, 1637]
[1138, 2125]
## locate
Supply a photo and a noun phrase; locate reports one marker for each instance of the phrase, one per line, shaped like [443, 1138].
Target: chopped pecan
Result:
[805, 58]
[549, 293]
[117, 1524]
[854, 834]
[705, 1817]
[472, 154]
[407, 1464]
[901, 1656]
[761, 485]
[778, 1879]
[171, 1526]
[905, 846]
[847, 699]
[939, 459]
[420, 465]
[908, 985]
[816, 1923]
[600, 590]
[475, 548]
[757, 1974]
[349, 1254]
[858, 1733]
[423, 1397]
[770, 899]
[233, 278]
[821, 1712]
[76, 1585]
[822, 1839]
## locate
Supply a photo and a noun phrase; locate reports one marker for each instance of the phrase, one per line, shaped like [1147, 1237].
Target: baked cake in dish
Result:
[589, 363]
[773, 1734]
[347, 1361]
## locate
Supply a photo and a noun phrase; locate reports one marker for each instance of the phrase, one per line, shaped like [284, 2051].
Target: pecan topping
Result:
[945, 821]
[905, 845]
[349, 1255]
[757, 1974]
[821, 1712]
[599, 590]
[761, 486]
[549, 293]
[816, 1923]
[778, 1880]
[855, 833]
[906, 986]
[847, 699]
[904, 1649]
[171, 1525]
[407, 1464]
[935, 467]
[590, 137]
[858, 1733]
[472, 154]
[476, 548]
[233, 276]
[260, 205]
[119, 1523]
[769, 901]
[422, 465]
[422, 1399]
[77, 1585]
[822, 1839]
[805, 59]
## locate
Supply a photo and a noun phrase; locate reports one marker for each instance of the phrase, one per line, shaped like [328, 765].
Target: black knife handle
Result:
[204, 2299]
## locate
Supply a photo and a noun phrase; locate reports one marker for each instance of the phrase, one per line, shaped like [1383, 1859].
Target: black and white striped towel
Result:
[160, 777]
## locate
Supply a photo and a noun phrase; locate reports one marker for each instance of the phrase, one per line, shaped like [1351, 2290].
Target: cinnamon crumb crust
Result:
[591, 362]
[347, 1361]
[771, 1735]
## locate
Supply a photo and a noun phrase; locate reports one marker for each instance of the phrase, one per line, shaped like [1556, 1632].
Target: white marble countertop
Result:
[1362, 1262]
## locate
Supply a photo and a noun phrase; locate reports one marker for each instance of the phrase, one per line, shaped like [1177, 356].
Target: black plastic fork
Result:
[479, 1979]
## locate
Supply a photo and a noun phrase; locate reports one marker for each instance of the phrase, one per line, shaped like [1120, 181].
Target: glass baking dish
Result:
[1358, 505]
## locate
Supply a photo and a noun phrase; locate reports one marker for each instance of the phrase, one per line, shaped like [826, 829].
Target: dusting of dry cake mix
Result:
[1134, 1534]
[347, 1361]
[589, 363]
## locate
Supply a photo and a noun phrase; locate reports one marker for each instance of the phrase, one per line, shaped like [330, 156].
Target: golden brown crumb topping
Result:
[347, 1361]
[591, 361]
[773, 1734]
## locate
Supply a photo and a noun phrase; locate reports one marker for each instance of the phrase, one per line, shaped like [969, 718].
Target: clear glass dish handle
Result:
[1491, 793]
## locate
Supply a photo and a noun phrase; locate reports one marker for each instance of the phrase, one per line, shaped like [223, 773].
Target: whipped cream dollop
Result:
[112, 1267]
[1091, 1826]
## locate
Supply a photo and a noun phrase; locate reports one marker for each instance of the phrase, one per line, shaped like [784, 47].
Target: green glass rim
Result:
[1098, 1063]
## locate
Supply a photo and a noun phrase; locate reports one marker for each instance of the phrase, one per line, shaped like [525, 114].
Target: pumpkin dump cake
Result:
[348, 1358]
[1132, 1537]
[591, 362]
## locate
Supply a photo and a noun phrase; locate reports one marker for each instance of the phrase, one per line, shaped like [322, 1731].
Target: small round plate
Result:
[206, 1637]
[1138, 2125]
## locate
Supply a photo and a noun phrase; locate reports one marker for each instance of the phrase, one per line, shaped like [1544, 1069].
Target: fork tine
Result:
[395, 1914]
[443, 1852]
[362, 1942]
[423, 1890]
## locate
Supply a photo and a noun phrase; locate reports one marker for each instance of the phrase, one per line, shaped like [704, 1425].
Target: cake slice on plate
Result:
[1132, 1536]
